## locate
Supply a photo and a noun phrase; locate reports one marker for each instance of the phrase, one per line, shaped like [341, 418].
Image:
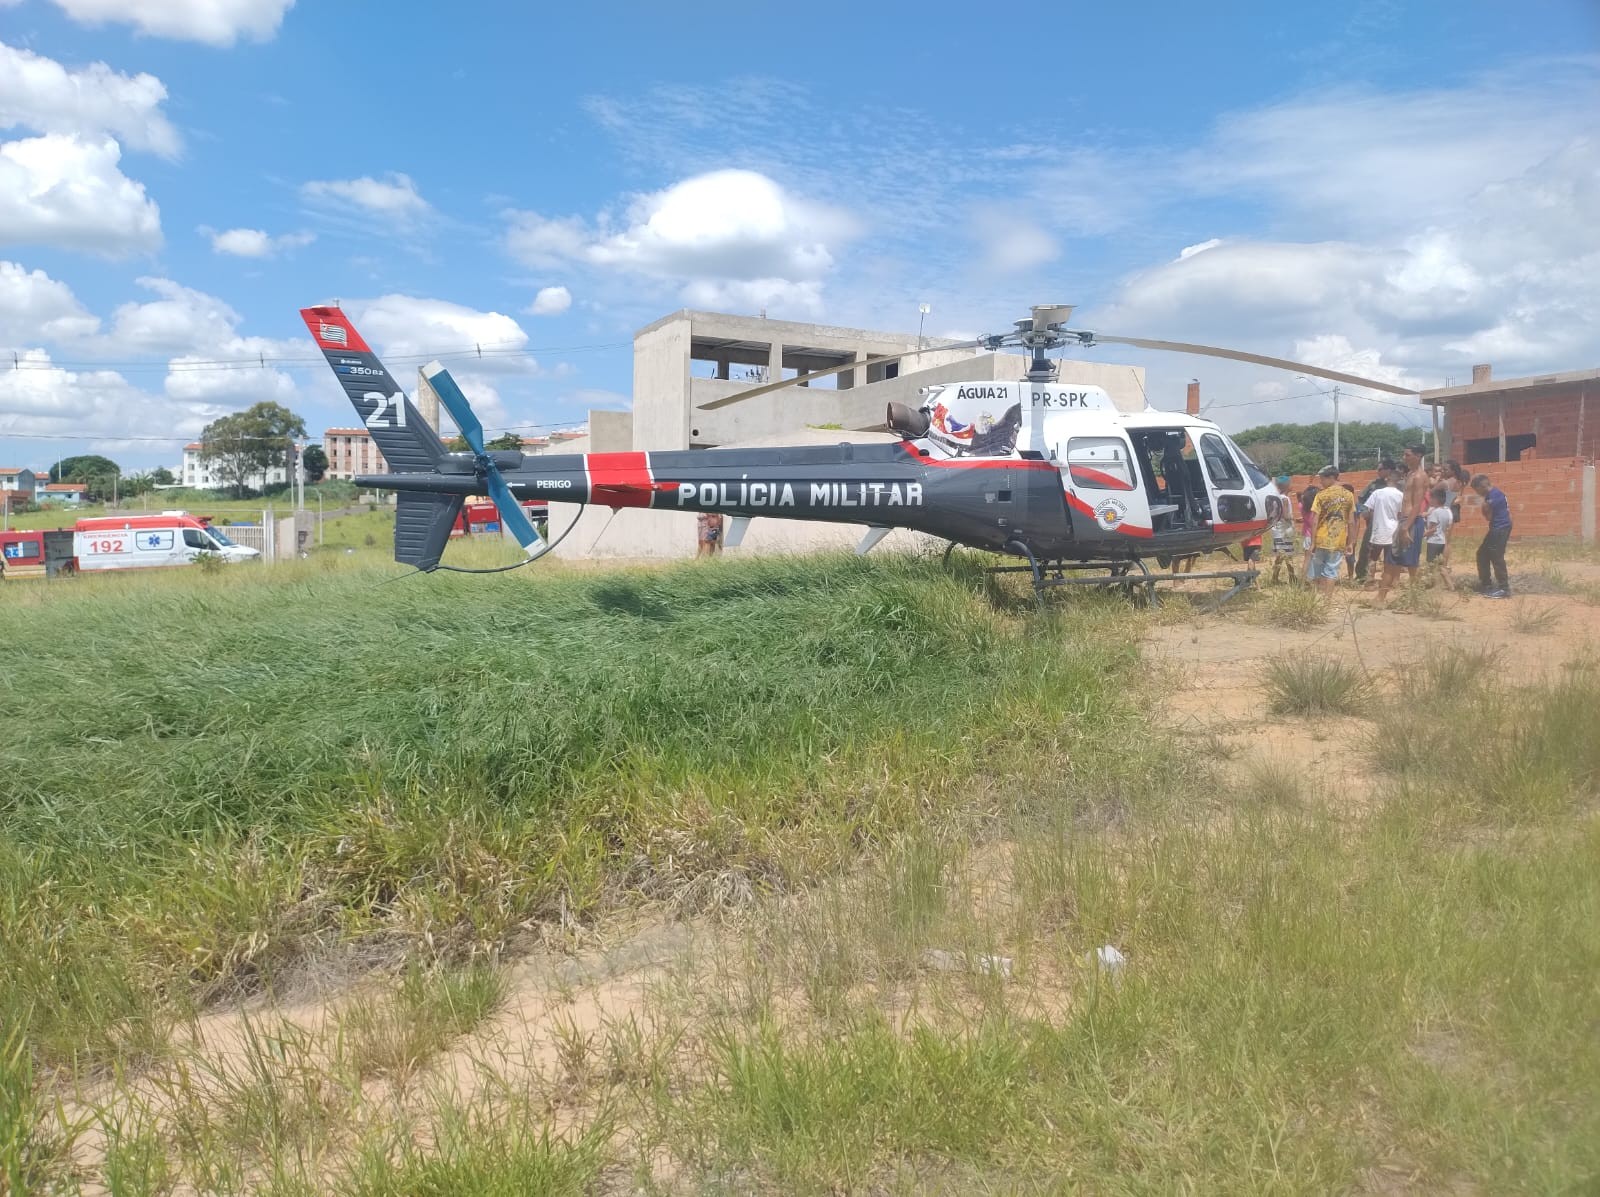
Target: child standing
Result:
[1436, 534]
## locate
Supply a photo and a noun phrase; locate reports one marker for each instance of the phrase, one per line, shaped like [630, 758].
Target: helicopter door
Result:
[1233, 502]
[1103, 485]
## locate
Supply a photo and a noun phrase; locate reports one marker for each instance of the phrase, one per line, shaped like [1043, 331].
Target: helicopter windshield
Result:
[1258, 476]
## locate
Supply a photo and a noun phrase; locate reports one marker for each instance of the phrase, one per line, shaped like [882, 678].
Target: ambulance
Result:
[150, 541]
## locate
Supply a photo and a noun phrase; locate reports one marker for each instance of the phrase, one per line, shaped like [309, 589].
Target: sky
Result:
[1397, 189]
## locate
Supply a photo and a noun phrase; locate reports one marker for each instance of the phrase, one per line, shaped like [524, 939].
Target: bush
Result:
[1316, 686]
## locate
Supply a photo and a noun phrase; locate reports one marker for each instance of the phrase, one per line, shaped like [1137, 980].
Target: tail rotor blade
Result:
[512, 515]
[466, 420]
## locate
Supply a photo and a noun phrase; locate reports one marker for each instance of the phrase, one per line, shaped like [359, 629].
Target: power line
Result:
[112, 436]
[497, 350]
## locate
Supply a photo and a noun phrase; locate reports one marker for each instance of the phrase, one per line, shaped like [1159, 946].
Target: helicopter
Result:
[1047, 472]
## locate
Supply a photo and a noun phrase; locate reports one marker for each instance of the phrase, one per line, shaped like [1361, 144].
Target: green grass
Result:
[1315, 685]
[395, 1035]
[210, 778]
[1318, 996]
[1297, 607]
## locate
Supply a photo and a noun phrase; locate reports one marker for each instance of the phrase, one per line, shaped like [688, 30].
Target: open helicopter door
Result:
[1233, 503]
[1103, 487]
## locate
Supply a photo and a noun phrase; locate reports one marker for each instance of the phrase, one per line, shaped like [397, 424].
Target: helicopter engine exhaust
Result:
[907, 421]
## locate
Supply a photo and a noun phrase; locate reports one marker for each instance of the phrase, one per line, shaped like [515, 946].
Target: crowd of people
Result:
[1405, 520]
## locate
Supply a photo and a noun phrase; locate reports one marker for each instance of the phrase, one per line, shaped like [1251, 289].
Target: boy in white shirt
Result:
[1383, 510]
[1436, 535]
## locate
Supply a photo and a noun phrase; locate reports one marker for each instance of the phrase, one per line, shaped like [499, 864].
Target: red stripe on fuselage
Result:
[975, 463]
[1247, 526]
[1126, 529]
[620, 479]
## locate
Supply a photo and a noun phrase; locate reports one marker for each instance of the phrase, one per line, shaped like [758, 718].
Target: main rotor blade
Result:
[456, 404]
[768, 388]
[1239, 355]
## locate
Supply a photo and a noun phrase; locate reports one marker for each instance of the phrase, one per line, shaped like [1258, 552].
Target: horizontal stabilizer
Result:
[422, 525]
[737, 527]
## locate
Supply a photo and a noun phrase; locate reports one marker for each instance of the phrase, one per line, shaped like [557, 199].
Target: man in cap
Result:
[1332, 510]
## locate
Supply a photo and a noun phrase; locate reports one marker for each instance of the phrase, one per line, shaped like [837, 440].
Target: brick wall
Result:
[1551, 414]
[1546, 496]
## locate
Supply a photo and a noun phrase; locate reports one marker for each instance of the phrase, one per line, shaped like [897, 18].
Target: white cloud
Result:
[213, 22]
[725, 237]
[1009, 243]
[253, 243]
[551, 301]
[35, 307]
[62, 191]
[40, 94]
[182, 320]
[190, 327]
[1371, 161]
[99, 406]
[410, 326]
[394, 197]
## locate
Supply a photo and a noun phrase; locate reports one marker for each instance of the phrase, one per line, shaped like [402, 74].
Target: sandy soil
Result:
[1212, 668]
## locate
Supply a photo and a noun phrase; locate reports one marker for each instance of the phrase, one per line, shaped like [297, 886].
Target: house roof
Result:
[13, 469]
[63, 487]
[1507, 386]
[346, 432]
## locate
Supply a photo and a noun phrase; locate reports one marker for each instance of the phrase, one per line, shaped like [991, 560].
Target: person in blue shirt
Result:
[1492, 552]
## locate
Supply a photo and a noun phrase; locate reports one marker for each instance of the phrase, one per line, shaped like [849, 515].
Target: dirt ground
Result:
[1212, 668]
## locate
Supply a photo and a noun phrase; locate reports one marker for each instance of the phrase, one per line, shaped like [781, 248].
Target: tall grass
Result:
[210, 778]
[1316, 685]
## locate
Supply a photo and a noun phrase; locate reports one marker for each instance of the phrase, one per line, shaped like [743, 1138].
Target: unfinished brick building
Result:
[1519, 419]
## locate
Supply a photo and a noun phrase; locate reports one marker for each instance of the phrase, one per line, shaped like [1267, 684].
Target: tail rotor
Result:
[512, 516]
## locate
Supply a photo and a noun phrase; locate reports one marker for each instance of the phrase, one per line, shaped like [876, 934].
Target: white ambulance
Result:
[150, 541]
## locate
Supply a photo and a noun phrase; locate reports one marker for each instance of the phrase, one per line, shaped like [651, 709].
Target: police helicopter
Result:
[1049, 473]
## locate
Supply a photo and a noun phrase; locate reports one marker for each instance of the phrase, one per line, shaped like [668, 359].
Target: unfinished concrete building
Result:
[689, 358]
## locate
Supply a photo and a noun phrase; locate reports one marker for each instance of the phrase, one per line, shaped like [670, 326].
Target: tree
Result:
[146, 481]
[246, 444]
[458, 444]
[1306, 448]
[506, 440]
[98, 474]
[315, 462]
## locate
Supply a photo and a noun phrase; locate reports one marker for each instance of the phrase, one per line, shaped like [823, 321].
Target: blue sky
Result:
[1398, 189]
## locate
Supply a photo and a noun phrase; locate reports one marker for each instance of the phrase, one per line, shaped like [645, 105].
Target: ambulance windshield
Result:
[218, 535]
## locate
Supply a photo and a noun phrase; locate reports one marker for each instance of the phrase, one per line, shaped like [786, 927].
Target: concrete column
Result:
[775, 362]
[851, 378]
[1192, 405]
[1586, 518]
[428, 402]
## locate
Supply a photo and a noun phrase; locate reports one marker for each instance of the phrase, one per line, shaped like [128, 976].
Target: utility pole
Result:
[1336, 426]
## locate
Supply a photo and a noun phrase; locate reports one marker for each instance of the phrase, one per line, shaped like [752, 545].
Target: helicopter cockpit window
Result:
[1224, 473]
[1100, 463]
[1258, 476]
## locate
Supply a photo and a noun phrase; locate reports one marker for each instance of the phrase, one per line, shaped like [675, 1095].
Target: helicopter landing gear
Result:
[1131, 576]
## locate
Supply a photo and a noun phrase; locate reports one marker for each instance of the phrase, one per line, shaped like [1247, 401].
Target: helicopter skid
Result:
[1139, 586]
